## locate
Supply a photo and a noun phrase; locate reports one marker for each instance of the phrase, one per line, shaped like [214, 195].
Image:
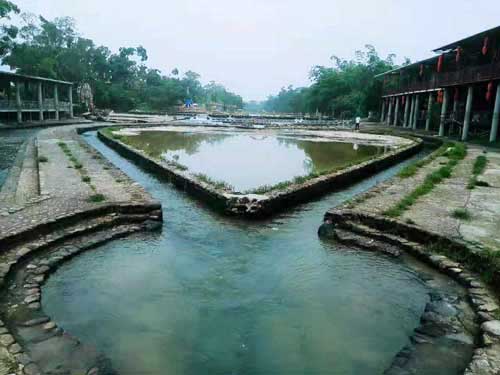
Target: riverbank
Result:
[445, 211]
[283, 196]
[60, 191]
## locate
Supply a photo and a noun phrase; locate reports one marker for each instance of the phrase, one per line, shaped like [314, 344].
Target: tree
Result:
[7, 32]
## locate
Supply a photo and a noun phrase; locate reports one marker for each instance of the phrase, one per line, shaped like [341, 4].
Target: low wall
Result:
[274, 202]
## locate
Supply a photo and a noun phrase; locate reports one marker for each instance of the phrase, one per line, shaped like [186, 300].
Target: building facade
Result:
[455, 93]
[27, 98]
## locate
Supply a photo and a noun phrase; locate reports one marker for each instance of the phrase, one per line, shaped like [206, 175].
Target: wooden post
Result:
[415, 115]
[444, 108]
[412, 111]
[56, 101]
[396, 112]
[468, 111]
[382, 115]
[40, 101]
[70, 94]
[389, 113]
[407, 111]
[496, 116]
[19, 103]
[429, 113]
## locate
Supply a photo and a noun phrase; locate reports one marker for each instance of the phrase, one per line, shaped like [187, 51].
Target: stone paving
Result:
[48, 201]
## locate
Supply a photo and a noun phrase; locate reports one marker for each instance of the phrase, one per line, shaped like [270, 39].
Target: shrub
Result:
[96, 198]
[43, 159]
[461, 214]
[86, 179]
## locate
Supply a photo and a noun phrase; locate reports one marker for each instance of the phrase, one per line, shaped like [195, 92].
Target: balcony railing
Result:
[48, 105]
[464, 76]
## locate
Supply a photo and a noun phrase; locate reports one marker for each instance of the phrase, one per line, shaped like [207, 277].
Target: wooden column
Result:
[389, 113]
[412, 112]
[382, 112]
[444, 108]
[429, 113]
[70, 95]
[396, 112]
[496, 116]
[40, 100]
[407, 111]
[415, 115]
[468, 111]
[56, 101]
[19, 103]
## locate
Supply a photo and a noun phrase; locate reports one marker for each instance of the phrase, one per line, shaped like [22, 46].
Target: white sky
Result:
[256, 47]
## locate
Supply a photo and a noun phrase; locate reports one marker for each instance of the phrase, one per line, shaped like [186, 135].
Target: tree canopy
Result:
[348, 87]
[120, 81]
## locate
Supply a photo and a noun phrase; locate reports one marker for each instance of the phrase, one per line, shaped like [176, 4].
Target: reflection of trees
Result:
[155, 143]
[326, 156]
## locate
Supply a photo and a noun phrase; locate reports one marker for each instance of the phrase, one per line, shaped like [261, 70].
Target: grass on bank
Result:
[462, 214]
[220, 185]
[477, 169]
[43, 159]
[411, 169]
[455, 153]
[96, 198]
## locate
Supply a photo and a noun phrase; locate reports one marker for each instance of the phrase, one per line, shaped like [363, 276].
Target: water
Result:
[249, 160]
[213, 295]
[10, 143]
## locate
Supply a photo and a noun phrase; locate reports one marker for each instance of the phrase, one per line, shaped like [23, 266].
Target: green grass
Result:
[86, 179]
[78, 166]
[477, 169]
[96, 198]
[43, 159]
[411, 170]
[220, 185]
[461, 214]
[454, 154]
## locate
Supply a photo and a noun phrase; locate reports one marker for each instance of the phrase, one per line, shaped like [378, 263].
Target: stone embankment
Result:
[266, 204]
[454, 228]
[61, 198]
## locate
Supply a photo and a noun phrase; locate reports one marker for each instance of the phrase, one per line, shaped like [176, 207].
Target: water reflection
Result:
[247, 161]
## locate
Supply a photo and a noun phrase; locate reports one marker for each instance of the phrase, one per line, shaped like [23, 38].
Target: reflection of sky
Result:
[246, 162]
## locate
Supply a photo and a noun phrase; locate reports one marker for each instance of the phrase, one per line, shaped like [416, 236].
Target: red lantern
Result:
[440, 63]
[484, 50]
[458, 55]
[440, 96]
[457, 94]
[489, 91]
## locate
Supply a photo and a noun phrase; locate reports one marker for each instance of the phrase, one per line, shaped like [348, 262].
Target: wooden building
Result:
[26, 98]
[455, 92]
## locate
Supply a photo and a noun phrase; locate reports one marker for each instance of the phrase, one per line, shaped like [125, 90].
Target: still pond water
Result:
[247, 161]
[213, 295]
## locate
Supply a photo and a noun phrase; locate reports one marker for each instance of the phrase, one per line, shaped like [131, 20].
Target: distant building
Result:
[27, 98]
[462, 80]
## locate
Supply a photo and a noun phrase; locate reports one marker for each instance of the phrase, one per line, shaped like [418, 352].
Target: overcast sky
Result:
[255, 47]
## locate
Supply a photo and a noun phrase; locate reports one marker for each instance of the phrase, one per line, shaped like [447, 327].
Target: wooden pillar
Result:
[382, 112]
[468, 111]
[415, 115]
[70, 95]
[40, 101]
[19, 103]
[396, 112]
[444, 108]
[56, 101]
[389, 113]
[496, 116]
[412, 112]
[429, 113]
[407, 111]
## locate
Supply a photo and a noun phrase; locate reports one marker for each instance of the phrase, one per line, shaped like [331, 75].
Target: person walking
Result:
[357, 122]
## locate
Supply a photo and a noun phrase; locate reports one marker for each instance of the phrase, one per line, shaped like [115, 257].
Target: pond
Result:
[10, 143]
[246, 161]
[214, 295]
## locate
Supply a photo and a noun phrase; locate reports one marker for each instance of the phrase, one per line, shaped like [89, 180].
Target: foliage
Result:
[411, 170]
[477, 169]
[119, 81]
[461, 214]
[454, 154]
[219, 185]
[346, 89]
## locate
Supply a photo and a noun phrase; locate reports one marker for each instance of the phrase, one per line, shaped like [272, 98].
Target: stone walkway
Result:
[434, 211]
[51, 196]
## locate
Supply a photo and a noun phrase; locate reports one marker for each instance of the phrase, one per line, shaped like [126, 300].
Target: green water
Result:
[246, 161]
[213, 295]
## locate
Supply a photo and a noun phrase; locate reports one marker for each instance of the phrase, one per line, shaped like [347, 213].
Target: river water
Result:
[215, 295]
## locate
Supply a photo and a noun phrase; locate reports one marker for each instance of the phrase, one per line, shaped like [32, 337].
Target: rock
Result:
[15, 348]
[35, 322]
[41, 270]
[34, 306]
[31, 267]
[6, 340]
[32, 298]
[22, 358]
[3, 330]
[93, 371]
[48, 326]
[31, 369]
[492, 328]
